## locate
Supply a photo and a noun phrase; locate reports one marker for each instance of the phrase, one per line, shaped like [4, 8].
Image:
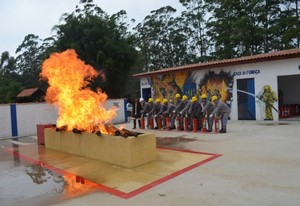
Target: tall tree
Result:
[194, 19]
[29, 60]
[102, 41]
[162, 40]
[221, 29]
[289, 24]
[10, 84]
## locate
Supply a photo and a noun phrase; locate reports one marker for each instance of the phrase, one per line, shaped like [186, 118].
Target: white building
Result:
[240, 82]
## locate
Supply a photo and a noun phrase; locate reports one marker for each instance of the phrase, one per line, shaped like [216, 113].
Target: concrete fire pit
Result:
[127, 152]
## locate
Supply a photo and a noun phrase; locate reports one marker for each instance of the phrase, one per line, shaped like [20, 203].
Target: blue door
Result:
[146, 93]
[246, 99]
[189, 90]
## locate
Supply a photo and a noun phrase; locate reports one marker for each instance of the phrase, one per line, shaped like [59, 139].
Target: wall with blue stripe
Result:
[21, 119]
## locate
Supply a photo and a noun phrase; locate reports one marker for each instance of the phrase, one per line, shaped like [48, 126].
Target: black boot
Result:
[222, 131]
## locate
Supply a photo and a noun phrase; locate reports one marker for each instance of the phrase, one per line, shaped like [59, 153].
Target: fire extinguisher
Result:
[159, 122]
[168, 123]
[203, 125]
[280, 112]
[151, 123]
[186, 123]
[285, 111]
[289, 110]
[216, 125]
[178, 123]
[195, 124]
[297, 111]
[142, 122]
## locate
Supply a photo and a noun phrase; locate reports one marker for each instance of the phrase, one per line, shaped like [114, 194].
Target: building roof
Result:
[278, 55]
[27, 92]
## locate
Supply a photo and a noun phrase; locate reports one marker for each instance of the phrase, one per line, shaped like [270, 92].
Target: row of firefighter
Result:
[185, 114]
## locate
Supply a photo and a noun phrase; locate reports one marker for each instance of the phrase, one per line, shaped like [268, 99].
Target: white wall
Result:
[121, 111]
[5, 121]
[31, 114]
[266, 73]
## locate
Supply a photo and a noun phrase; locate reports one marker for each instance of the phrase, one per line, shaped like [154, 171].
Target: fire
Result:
[78, 106]
[76, 185]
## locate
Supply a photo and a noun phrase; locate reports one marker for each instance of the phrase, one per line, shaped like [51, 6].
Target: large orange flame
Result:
[79, 107]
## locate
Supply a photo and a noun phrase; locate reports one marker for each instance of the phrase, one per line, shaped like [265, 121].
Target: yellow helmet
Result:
[150, 100]
[184, 97]
[267, 88]
[203, 96]
[157, 100]
[214, 98]
[177, 95]
[194, 99]
[165, 101]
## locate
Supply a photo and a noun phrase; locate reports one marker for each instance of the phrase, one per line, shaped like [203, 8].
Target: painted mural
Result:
[166, 86]
[219, 85]
[196, 83]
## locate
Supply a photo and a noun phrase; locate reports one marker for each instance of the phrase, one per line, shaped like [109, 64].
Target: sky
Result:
[19, 18]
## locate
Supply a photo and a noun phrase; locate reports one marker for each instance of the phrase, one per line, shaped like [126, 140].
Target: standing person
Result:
[163, 108]
[147, 107]
[207, 109]
[268, 97]
[155, 111]
[136, 113]
[222, 110]
[194, 112]
[185, 111]
[185, 103]
[168, 112]
[174, 111]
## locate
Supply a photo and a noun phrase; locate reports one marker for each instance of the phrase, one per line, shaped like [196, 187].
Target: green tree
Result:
[289, 24]
[220, 25]
[162, 40]
[10, 84]
[29, 60]
[194, 19]
[101, 41]
[242, 28]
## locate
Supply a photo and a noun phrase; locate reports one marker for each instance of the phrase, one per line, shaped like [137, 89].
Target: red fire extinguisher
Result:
[280, 112]
[203, 125]
[216, 125]
[151, 123]
[284, 115]
[159, 122]
[289, 110]
[297, 109]
[142, 122]
[186, 123]
[195, 124]
[178, 123]
[168, 123]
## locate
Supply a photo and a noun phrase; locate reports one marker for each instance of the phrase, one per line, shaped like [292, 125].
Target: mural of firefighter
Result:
[219, 85]
[167, 85]
[268, 97]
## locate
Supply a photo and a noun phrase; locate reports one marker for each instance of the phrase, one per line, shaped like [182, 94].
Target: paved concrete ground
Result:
[260, 165]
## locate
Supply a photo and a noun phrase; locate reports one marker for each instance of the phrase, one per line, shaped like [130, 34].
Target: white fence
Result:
[21, 119]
